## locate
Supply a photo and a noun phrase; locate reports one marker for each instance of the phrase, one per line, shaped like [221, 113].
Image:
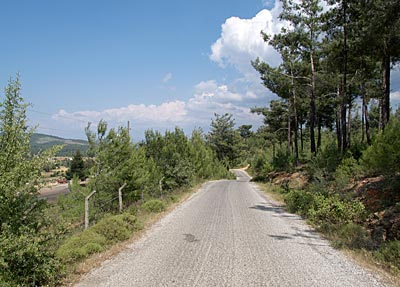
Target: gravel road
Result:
[228, 234]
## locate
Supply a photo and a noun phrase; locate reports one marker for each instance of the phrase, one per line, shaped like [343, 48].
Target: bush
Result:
[282, 161]
[109, 230]
[322, 209]
[116, 228]
[383, 156]
[27, 258]
[324, 164]
[390, 252]
[353, 236]
[154, 205]
[299, 201]
[347, 170]
[81, 245]
[332, 210]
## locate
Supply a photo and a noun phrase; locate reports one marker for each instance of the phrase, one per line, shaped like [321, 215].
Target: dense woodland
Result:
[331, 124]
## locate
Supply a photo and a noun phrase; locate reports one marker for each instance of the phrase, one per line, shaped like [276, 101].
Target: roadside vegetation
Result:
[329, 146]
[43, 244]
[330, 143]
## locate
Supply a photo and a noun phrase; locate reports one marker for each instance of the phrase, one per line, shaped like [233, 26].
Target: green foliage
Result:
[72, 205]
[348, 170]
[321, 209]
[261, 166]
[389, 252]
[225, 140]
[352, 235]
[331, 209]
[154, 205]
[27, 258]
[97, 238]
[205, 161]
[324, 164]
[81, 246]
[77, 167]
[383, 156]
[299, 201]
[116, 228]
[282, 161]
[26, 240]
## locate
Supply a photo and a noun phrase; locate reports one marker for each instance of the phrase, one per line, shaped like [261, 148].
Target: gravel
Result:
[229, 234]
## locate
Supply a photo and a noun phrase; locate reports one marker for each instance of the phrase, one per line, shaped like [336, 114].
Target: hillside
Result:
[41, 142]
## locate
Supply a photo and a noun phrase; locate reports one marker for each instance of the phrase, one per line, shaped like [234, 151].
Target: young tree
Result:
[77, 167]
[224, 139]
[26, 240]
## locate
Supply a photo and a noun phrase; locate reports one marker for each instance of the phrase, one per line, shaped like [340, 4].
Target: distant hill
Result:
[40, 142]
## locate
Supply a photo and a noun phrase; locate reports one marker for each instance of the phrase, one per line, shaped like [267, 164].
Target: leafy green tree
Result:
[171, 154]
[245, 131]
[206, 164]
[383, 156]
[113, 165]
[225, 140]
[77, 167]
[305, 19]
[383, 37]
[27, 240]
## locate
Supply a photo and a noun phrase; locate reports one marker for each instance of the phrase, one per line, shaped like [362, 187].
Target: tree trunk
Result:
[363, 95]
[319, 126]
[296, 123]
[349, 120]
[301, 138]
[344, 143]
[312, 105]
[367, 130]
[289, 131]
[384, 103]
[343, 128]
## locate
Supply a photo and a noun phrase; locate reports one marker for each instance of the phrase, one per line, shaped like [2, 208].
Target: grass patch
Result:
[276, 193]
[154, 206]
[389, 253]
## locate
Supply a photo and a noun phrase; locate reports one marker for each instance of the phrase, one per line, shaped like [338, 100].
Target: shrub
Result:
[27, 258]
[109, 230]
[335, 211]
[81, 245]
[154, 205]
[299, 201]
[325, 162]
[282, 161]
[116, 228]
[383, 156]
[353, 236]
[390, 252]
[349, 168]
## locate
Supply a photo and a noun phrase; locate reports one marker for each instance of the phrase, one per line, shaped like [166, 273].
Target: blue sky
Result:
[159, 64]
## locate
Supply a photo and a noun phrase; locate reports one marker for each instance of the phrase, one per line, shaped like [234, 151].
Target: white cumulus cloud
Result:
[395, 96]
[241, 42]
[173, 112]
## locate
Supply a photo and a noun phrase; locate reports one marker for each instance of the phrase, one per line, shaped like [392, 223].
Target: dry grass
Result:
[272, 192]
[364, 259]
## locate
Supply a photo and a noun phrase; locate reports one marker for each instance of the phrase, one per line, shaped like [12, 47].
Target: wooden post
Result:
[120, 197]
[87, 208]
[160, 185]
